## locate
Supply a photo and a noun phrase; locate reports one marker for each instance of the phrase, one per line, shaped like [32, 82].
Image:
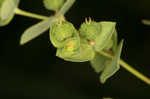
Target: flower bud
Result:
[60, 32]
[54, 5]
[90, 30]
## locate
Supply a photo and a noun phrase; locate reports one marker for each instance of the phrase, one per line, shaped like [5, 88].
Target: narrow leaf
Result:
[113, 66]
[115, 41]
[107, 31]
[99, 62]
[6, 21]
[35, 30]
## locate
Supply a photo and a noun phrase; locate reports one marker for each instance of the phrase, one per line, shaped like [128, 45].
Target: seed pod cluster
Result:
[70, 46]
[99, 34]
[79, 46]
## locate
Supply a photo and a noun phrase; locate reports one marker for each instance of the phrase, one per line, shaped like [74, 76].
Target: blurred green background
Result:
[33, 71]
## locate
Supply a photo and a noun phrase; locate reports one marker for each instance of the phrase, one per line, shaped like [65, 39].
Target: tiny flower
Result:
[60, 32]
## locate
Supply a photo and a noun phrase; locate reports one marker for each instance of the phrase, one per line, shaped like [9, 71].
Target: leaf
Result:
[5, 22]
[113, 66]
[7, 8]
[54, 5]
[35, 30]
[145, 21]
[115, 41]
[99, 62]
[108, 45]
[107, 31]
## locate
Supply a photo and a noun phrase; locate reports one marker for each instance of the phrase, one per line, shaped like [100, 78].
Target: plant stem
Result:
[134, 72]
[62, 11]
[145, 22]
[29, 14]
[129, 68]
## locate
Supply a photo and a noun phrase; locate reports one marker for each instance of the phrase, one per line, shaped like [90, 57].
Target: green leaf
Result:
[99, 62]
[8, 8]
[115, 41]
[112, 66]
[107, 30]
[54, 5]
[108, 45]
[5, 22]
[35, 30]
[111, 45]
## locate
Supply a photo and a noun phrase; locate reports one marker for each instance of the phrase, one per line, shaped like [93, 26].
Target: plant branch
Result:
[129, 68]
[62, 11]
[29, 14]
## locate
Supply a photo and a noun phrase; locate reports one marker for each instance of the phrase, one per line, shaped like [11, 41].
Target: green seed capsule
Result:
[60, 32]
[54, 5]
[6, 21]
[77, 54]
[90, 30]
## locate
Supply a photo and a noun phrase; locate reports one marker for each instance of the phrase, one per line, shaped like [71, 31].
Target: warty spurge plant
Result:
[93, 42]
[70, 46]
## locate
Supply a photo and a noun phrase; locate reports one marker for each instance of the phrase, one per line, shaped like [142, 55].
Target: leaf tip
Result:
[23, 40]
[102, 80]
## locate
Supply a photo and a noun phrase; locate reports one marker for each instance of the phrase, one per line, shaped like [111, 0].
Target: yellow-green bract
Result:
[7, 10]
[100, 33]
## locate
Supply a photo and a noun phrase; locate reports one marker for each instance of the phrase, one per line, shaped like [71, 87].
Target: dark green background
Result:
[33, 71]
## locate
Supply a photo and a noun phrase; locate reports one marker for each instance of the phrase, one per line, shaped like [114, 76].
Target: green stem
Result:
[62, 11]
[29, 14]
[130, 69]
